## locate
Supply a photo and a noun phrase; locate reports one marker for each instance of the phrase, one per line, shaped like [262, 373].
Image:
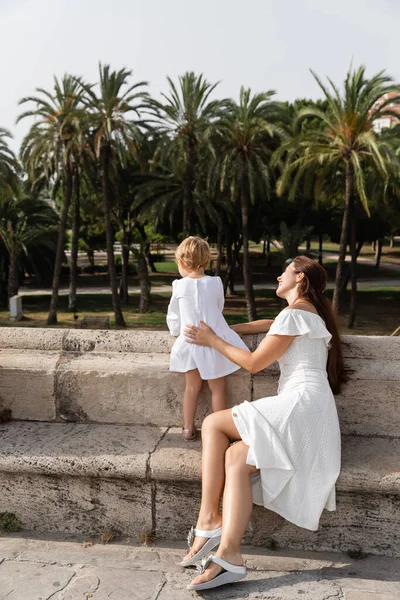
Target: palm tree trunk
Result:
[220, 249]
[105, 166]
[52, 317]
[378, 253]
[13, 277]
[143, 271]
[125, 268]
[320, 242]
[347, 277]
[188, 187]
[74, 245]
[247, 274]
[343, 238]
[353, 250]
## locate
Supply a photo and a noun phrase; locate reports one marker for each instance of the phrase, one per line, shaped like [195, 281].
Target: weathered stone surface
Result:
[175, 459]
[20, 581]
[131, 388]
[367, 522]
[105, 583]
[149, 342]
[20, 338]
[91, 450]
[370, 465]
[27, 383]
[176, 508]
[77, 504]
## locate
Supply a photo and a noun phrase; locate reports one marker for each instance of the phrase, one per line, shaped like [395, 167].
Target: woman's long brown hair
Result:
[312, 288]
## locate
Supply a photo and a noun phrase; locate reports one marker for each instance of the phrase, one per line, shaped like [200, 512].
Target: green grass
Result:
[377, 310]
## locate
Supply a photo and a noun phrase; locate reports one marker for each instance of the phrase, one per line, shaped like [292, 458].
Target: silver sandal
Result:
[213, 539]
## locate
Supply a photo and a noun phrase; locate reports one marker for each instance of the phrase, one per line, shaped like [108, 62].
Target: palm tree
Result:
[185, 121]
[248, 133]
[345, 143]
[26, 223]
[51, 147]
[108, 112]
[9, 167]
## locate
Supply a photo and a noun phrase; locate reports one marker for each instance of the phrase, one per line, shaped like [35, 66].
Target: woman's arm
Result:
[261, 326]
[271, 348]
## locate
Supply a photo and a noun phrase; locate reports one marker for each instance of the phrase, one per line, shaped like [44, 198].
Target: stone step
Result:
[123, 377]
[88, 478]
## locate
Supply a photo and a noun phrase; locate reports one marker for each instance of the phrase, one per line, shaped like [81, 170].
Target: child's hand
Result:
[201, 336]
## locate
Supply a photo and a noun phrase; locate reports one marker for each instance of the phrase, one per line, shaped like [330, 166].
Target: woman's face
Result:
[288, 281]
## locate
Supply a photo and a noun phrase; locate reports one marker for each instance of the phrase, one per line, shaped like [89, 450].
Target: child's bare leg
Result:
[218, 393]
[190, 397]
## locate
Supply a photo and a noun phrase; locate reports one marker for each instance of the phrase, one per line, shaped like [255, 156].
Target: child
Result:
[198, 297]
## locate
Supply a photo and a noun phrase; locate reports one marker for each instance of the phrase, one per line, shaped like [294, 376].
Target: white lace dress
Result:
[195, 300]
[294, 437]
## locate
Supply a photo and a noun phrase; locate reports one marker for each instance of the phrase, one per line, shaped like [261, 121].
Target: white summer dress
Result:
[294, 437]
[195, 300]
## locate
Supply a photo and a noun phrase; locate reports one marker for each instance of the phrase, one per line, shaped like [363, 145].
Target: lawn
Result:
[378, 310]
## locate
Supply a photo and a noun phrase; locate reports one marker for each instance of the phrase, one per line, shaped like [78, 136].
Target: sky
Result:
[261, 44]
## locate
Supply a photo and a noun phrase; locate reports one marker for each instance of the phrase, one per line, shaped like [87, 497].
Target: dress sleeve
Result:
[173, 314]
[220, 297]
[300, 322]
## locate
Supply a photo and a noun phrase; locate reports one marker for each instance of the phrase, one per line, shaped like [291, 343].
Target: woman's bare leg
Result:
[217, 432]
[218, 393]
[237, 507]
[191, 397]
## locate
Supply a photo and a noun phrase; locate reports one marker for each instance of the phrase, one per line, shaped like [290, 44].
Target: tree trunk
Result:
[320, 245]
[124, 291]
[247, 274]
[74, 245]
[353, 250]
[220, 249]
[347, 277]
[4, 273]
[13, 277]
[392, 241]
[105, 166]
[52, 317]
[268, 251]
[343, 238]
[143, 272]
[308, 243]
[189, 187]
[378, 254]
[144, 283]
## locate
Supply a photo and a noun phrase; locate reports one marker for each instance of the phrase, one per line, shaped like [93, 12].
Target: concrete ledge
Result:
[89, 478]
[161, 454]
[123, 377]
[111, 451]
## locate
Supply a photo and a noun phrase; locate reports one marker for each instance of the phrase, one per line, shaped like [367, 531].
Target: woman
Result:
[287, 455]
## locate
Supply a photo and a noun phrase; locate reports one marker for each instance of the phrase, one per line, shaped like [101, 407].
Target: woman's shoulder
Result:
[298, 321]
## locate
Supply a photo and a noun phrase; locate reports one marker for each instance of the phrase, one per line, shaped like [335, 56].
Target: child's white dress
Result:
[195, 300]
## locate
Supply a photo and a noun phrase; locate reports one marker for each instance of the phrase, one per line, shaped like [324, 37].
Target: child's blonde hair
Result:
[194, 253]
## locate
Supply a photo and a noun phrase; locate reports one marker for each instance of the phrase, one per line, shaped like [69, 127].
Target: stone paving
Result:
[72, 568]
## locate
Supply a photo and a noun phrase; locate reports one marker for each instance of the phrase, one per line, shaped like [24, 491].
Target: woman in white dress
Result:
[287, 455]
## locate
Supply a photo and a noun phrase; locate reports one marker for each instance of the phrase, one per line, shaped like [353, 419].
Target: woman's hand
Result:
[201, 336]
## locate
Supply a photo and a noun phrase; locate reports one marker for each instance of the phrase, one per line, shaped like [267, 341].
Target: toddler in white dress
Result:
[198, 297]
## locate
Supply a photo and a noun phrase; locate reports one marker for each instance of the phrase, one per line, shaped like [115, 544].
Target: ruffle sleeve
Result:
[293, 321]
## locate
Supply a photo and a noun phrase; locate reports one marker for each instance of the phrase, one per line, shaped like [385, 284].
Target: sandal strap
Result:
[239, 570]
[208, 534]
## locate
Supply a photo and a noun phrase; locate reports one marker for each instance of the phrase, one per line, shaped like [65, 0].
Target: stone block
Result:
[176, 508]
[72, 449]
[84, 505]
[176, 460]
[26, 338]
[131, 388]
[27, 383]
